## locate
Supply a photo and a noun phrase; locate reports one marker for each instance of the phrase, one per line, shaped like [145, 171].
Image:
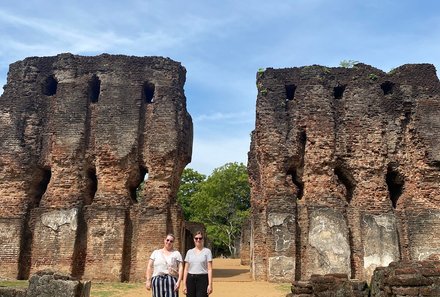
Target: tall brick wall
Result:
[344, 169]
[77, 135]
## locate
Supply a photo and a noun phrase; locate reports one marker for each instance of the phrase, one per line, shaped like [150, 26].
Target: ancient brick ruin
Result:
[399, 279]
[77, 137]
[345, 170]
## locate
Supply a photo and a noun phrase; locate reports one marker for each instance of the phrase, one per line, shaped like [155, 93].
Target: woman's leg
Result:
[202, 285]
[156, 286]
[169, 284]
[191, 285]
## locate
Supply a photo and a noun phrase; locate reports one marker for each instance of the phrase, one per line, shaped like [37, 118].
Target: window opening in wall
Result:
[338, 91]
[387, 88]
[92, 186]
[290, 92]
[395, 183]
[41, 187]
[50, 86]
[94, 89]
[347, 180]
[148, 92]
[136, 191]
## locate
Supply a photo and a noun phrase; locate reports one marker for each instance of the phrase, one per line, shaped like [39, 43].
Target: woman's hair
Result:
[171, 234]
[198, 233]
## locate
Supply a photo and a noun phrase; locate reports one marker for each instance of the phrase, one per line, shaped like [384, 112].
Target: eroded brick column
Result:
[78, 136]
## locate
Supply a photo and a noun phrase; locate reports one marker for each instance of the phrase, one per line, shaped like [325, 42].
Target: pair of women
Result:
[165, 270]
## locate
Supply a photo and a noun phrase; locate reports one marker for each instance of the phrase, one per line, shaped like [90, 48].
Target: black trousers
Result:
[197, 285]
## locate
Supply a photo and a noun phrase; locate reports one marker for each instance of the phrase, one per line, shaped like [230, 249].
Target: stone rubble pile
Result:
[48, 283]
[399, 279]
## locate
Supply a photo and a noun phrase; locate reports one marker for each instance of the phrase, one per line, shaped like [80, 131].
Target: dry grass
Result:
[230, 280]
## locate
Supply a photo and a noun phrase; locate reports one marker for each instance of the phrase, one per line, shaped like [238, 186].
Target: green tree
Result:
[222, 203]
[348, 63]
[190, 183]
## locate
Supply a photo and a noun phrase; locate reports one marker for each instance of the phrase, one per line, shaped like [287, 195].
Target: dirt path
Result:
[230, 280]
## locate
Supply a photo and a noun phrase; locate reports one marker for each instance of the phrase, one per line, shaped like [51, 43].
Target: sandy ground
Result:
[231, 280]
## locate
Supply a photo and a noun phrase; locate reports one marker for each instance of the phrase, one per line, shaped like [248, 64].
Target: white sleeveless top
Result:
[166, 264]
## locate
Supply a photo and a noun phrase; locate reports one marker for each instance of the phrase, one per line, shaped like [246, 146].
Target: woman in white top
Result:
[164, 270]
[197, 276]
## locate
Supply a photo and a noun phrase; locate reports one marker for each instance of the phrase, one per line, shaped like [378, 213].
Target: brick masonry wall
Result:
[412, 278]
[77, 135]
[10, 231]
[346, 156]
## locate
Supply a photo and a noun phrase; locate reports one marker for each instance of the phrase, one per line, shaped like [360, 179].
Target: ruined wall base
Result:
[424, 233]
[150, 227]
[381, 246]
[54, 236]
[10, 240]
[105, 242]
[329, 285]
[407, 279]
[328, 249]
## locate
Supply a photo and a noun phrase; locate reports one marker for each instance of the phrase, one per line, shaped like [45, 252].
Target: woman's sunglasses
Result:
[198, 238]
[169, 240]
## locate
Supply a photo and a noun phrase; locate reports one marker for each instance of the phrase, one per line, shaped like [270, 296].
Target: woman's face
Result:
[198, 240]
[169, 240]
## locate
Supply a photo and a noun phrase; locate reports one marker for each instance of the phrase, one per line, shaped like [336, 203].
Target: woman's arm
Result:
[185, 275]
[180, 276]
[148, 274]
[209, 290]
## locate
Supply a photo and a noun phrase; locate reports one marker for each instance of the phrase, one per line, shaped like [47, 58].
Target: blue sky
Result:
[222, 44]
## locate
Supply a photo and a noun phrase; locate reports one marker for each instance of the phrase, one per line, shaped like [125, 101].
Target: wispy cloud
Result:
[236, 118]
[222, 44]
[48, 37]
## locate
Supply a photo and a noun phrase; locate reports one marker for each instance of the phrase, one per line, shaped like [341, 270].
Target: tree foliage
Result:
[221, 202]
[190, 183]
[348, 63]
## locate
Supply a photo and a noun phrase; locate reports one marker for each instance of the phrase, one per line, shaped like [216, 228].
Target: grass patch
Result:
[113, 289]
[285, 287]
[14, 283]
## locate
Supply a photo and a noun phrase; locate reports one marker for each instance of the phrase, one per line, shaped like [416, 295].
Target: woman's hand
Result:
[176, 287]
[209, 289]
[148, 285]
[184, 290]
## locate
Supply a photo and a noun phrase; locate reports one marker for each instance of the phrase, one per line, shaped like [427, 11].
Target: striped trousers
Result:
[163, 286]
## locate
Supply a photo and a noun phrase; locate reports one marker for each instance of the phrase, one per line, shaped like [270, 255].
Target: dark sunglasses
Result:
[169, 240]
[198, 238]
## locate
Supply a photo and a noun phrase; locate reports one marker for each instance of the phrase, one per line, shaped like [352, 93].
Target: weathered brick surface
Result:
[407, 279]
[245, 243]
[77, 135]
[48, 283]
[329, 285]
[12, 292]
[344, 168]
[54, 236]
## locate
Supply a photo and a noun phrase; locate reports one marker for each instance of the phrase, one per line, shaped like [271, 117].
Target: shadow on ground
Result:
[225, 273]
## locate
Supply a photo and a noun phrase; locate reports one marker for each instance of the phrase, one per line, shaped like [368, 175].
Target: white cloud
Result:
[239, 117]
[222, 44]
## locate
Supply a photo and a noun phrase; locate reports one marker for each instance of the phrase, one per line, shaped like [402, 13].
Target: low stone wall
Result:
[12, 292]
[50, 284]
[329, 285]
[399, 279]
[407, 279]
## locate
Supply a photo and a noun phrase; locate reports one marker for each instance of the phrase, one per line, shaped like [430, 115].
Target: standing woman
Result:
[164, 270]
[197, 276]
